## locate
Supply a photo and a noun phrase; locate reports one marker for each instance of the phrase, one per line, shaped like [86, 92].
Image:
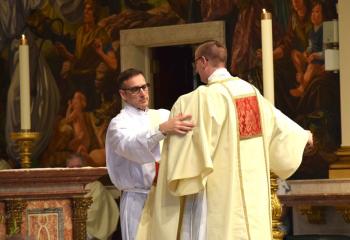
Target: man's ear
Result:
[122, 94]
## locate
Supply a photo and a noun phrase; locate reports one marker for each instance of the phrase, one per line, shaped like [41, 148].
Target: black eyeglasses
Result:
[137, 89]
[196, 59]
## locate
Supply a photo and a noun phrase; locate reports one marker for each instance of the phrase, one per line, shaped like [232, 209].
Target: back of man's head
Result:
[214, 51]
[126, 75]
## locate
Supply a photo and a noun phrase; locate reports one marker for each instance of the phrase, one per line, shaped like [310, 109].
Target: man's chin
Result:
[144, 103]
[143, 106]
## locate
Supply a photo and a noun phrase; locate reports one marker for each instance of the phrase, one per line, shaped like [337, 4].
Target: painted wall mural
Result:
[75, 59]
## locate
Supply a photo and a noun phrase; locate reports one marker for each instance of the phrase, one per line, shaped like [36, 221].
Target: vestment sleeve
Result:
[287, 143]
[188, 157]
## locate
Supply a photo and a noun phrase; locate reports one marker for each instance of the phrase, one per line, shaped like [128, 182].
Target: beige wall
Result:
[344, 61]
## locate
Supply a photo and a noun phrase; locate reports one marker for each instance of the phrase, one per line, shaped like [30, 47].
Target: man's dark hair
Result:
[126, 75]
[214, 51]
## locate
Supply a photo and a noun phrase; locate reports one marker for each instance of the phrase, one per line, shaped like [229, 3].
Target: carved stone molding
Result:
[80, 207]
[277, 233]
[314, 214]
[341, 168]
[14, 210]
[136, 44]
[345, 212]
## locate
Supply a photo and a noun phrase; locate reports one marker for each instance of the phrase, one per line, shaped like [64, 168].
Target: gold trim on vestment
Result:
[267, 164]
[239, 164]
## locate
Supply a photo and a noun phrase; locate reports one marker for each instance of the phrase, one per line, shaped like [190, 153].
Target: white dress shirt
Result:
[132, 147]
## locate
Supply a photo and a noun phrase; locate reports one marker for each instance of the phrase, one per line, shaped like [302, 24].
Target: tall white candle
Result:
[267, 56]
[24, 78]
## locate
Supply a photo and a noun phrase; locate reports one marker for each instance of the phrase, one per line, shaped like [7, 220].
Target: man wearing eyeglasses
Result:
[214, 182]
[133, 148]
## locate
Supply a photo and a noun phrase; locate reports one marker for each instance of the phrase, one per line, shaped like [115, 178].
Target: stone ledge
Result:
[47, 182]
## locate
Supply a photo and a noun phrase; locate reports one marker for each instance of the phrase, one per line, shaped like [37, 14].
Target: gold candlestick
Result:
[277, 233]
[25, 140]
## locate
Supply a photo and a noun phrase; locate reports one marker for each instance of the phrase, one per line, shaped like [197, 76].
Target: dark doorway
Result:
[172, 74]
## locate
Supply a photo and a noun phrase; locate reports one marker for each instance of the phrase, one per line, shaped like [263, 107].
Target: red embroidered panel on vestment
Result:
[248, 116]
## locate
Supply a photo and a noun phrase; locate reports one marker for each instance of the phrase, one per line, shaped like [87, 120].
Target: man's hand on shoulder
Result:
[181, 124]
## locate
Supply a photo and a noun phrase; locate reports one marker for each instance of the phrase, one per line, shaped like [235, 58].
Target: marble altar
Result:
[319, 206]
[47, 203]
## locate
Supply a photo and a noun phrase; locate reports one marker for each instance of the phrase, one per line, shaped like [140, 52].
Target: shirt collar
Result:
[219, 74]
[134, 110]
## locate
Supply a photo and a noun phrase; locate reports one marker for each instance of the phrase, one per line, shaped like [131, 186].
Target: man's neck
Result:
[136, 108]
[211, 71]
[220, 72]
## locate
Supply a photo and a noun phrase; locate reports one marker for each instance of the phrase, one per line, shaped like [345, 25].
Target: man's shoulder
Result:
[195, 93]
[121, 120]
[241, 87]
[160, 110]
[202, 92]
[122, 115]
[162, 113]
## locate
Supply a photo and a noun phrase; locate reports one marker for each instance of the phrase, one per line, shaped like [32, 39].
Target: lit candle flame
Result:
[265, 14]
[23, 40]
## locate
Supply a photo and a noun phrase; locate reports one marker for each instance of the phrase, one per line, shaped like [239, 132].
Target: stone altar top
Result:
[36, 183]
[325, 192]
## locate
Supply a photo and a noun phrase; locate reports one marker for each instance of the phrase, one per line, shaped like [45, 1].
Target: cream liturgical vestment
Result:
[214, 182]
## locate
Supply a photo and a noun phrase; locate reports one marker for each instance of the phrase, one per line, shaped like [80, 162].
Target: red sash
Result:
[156, 164]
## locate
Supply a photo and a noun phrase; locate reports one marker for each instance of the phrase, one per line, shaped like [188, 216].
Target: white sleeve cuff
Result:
[158, 135]
[155, 138]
